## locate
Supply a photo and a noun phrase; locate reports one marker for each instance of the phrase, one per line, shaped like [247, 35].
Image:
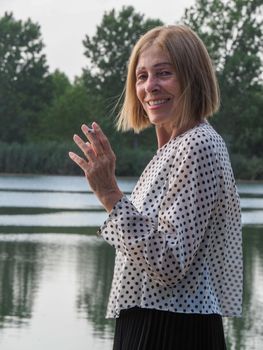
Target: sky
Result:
[65, 23]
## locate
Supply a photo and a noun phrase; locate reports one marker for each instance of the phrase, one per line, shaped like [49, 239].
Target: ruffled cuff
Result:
[116, 210]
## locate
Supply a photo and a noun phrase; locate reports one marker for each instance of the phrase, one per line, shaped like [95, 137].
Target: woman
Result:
[178, 265]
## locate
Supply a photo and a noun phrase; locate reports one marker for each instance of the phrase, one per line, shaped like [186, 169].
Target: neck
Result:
[166, 134]
[163, 136]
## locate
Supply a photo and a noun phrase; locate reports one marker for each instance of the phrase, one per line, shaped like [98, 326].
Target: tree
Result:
[108, 52]
[25, 87]
[67, 113]
[232, 30]
[60, 83]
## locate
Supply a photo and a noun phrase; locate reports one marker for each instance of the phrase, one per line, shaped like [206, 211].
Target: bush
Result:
[131, 162]
[247, 168]
[51, 157]
[37, 158]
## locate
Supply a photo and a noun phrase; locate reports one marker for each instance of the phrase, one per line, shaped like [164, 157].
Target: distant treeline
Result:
[40, 111]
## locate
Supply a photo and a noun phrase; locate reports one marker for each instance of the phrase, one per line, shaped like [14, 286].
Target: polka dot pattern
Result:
[178, 238]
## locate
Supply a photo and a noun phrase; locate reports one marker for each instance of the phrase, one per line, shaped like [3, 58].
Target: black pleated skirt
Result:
[149, 329]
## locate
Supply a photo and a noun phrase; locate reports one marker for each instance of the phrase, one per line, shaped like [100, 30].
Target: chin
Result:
[158, 120]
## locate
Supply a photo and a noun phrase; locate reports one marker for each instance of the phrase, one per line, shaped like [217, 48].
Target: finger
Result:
[85, 147]
[82, 163]
[103, 138]
[91, 136]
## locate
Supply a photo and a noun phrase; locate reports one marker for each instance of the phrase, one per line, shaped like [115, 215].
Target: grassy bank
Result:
[52, 158]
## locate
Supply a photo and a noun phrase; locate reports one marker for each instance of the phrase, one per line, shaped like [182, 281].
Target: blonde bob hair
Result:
[196, 77]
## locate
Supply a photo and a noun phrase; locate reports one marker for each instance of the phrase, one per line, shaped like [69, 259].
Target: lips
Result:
[157, 102]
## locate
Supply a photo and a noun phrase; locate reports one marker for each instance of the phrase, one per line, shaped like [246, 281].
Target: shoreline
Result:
[66, 175]
[118, 177]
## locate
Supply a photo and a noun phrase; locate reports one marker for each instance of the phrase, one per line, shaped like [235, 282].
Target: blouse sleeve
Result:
[165, 248]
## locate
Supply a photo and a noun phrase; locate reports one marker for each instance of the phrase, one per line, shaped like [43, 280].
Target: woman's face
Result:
[157, 87]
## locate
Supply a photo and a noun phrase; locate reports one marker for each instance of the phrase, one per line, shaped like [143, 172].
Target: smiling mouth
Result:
[158, 102]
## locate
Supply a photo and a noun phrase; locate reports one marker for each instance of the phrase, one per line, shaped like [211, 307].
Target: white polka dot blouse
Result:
[178, 238]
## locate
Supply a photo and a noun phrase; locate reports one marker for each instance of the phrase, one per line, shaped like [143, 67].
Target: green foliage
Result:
[60, 83]
[51, 157]
[36, 158]
[25, 87]
[233, 33]
[247, 168]
[66, 114]
[132, 161]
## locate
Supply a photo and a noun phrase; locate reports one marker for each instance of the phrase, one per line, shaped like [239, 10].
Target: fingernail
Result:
[95, 124]
[71, 154]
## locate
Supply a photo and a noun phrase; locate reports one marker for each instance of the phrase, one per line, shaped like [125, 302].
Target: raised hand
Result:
[98, 164]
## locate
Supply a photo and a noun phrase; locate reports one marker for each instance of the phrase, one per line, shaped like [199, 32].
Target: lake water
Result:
[55, 273]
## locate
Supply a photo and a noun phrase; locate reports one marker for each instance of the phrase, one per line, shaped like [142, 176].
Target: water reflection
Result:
[246, 333]
[20, 269]
[48, 200]
[59, 219]
[43, 292]
[52, 284]
[95, 267]
[54, 183]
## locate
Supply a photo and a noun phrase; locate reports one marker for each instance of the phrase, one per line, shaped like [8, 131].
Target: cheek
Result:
[173, 87]
[139, 93]
[177, 89]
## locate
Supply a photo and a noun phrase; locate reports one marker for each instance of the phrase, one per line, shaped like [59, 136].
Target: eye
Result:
[164, 73]
[141, 77]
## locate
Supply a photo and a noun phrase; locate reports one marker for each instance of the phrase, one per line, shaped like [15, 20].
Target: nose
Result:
[151, 84]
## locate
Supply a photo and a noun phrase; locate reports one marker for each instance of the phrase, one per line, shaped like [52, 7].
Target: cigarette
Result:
[91, 130]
